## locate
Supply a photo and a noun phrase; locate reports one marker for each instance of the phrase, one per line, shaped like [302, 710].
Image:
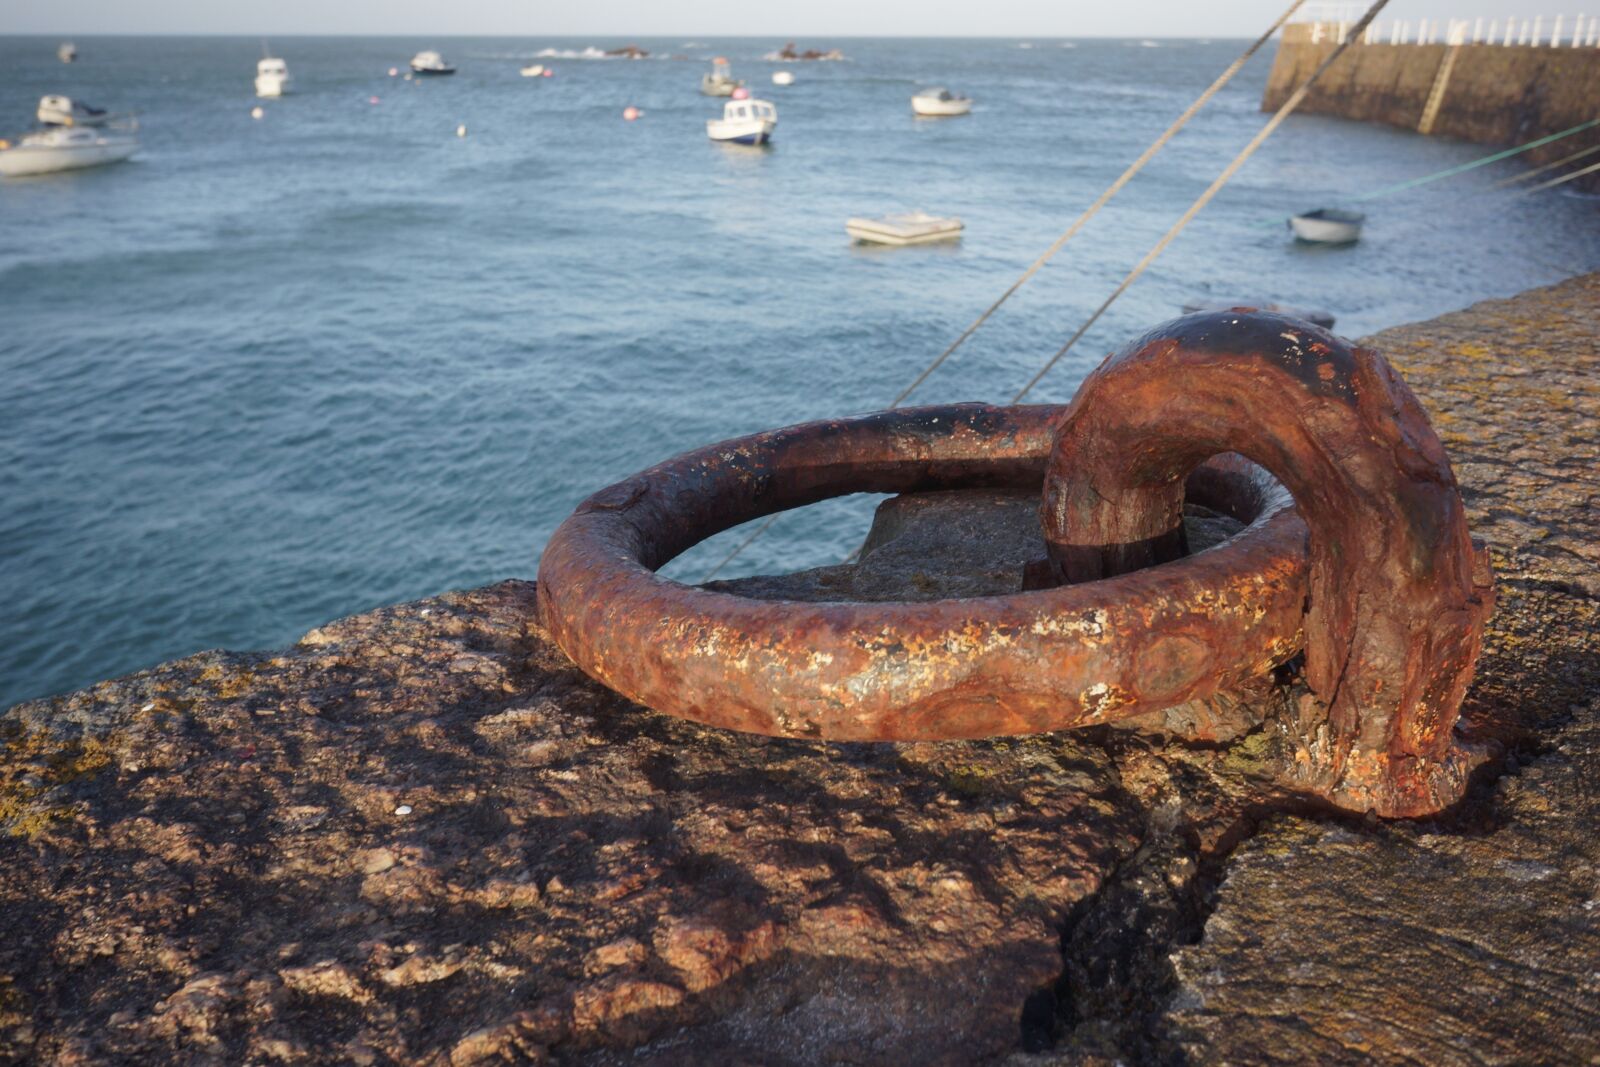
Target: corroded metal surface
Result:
[1396, 606]
[1398, 597]
[1030, 662]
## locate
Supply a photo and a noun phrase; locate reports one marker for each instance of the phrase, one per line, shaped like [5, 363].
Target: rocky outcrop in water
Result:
[420, 835]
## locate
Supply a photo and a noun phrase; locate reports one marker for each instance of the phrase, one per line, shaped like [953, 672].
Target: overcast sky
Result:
[815, 20]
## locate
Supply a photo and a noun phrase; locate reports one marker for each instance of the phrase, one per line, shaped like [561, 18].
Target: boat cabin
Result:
[743, 110]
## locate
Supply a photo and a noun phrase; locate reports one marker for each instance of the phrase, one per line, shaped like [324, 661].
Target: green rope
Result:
[1485, 161]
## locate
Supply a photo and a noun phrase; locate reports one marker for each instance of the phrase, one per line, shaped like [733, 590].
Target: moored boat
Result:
[744, 122]
[272, 77]
[68, 52]
[720, 81]
[65, 148]
[429, 62]
[533, 70]
[940, 103]
[912, 228]
[1328, 226]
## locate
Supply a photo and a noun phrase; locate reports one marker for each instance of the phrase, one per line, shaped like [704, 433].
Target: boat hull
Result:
[753, 132]
[1325, 231]
[870, 231]
[940, 109]
[26, 160]
[272, 85]
[429, 72]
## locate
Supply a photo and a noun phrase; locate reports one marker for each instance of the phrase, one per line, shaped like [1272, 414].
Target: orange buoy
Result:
[631, 113]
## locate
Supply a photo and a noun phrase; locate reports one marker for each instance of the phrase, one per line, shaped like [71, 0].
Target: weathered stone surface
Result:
[1413, 944]
[421, 836]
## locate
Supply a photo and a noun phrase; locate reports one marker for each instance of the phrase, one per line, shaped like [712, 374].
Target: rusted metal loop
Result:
[1023, 663]
[1398, 596]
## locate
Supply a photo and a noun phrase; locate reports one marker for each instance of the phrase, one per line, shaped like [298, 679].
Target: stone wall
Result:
[1494, 94]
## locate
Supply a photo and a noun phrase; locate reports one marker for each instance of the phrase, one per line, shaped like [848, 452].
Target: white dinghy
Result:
[913, 228]
[940, 103]
[1328, 226]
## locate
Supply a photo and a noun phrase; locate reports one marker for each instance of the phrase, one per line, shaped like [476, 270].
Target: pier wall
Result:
[1491, 94]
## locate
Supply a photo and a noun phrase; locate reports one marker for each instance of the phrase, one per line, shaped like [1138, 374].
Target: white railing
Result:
[1583, 31]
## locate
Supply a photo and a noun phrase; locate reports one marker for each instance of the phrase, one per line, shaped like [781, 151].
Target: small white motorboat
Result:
[940, 103]
[55, 110]
[720, 81]
[68, 52]
[533, 70]
[782, 77]
[65, 148]
[744, 122]
[914, 228]
[272, 77]
[1327, 226]
[429, 62]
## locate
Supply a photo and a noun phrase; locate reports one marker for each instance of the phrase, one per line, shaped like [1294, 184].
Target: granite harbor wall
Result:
[1486, 93]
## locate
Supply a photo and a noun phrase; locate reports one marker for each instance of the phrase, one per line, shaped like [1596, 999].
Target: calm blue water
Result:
[277, 371]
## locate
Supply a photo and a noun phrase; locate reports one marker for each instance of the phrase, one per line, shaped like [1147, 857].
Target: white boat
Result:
[720, 82]
[914, 228]
[57, 110]
[744, 122]
[533, 70]
[782, 77]
[1328, 226]
[272, 77]
[65, 148]
[68, 52]
[430, 62]
[940, 103]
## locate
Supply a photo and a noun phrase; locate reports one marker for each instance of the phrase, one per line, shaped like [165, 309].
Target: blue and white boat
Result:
[744, 122]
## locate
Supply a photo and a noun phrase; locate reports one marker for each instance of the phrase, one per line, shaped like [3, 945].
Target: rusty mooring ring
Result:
[1024, 663]
[1394, 598]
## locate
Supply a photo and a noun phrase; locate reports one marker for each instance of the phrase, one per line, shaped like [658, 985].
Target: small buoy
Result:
[631, 113]
[548, 73]
[372, 100]
[461, 130]
[741, 93]
[394, 72]
[782, 77]
[257, 111]
[404, 809]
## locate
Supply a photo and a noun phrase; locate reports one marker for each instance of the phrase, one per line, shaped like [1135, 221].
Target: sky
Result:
[814, 20]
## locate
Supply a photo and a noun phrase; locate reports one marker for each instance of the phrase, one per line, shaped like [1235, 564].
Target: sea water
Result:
[279, 370]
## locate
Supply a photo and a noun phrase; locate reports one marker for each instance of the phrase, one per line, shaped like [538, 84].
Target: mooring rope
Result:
[1563, 161]
[1111, 190]
[1205, 198]
[1590, 169]
[1448, 172]
[1115, 187]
